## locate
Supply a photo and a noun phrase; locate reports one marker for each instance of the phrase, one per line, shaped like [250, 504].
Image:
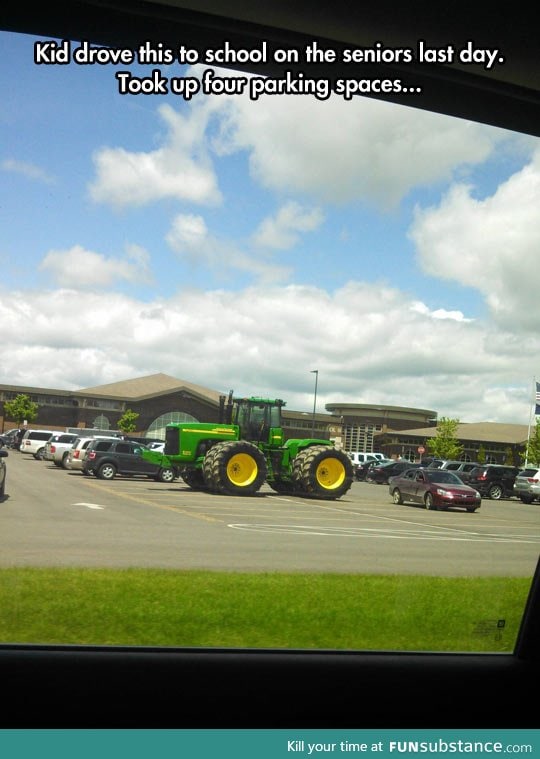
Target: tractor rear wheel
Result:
[322, 471]
[237, 468]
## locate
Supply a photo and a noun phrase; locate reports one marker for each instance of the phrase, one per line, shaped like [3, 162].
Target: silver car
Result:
[527, 484]
[57, 448]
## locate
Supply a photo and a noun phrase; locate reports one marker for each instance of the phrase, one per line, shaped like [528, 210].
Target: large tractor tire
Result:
[208, 467]
[281, 486]
[322, 471]
[235, 467]
[194, 478]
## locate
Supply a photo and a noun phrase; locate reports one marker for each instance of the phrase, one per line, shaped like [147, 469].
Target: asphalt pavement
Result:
[53, 517]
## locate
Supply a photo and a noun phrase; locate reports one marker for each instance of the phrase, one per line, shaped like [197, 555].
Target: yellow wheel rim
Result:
[330, 473]
[242, 469]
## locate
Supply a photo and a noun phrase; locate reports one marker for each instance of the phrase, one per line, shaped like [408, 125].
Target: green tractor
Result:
[246, 448]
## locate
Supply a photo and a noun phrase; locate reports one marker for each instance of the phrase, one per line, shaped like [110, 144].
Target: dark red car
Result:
[434, 489]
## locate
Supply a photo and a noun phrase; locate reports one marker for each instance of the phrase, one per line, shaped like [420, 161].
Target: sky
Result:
[241, 244]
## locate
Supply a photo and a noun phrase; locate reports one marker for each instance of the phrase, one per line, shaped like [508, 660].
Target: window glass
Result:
[101, 422]
[239, 241]
[158, 426]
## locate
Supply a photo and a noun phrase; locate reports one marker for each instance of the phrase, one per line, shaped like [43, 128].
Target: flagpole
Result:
[533, 406]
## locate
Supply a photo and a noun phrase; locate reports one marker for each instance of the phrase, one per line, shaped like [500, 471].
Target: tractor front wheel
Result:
[235, 467]
[322, 471]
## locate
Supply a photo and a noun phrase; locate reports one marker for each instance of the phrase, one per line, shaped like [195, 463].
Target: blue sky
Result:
[240, 244]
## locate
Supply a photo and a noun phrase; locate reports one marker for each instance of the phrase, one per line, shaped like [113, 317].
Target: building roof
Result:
[335, 407]
[150, 386]
[487, 432]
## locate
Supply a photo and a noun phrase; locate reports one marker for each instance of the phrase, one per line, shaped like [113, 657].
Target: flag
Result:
[537, 399]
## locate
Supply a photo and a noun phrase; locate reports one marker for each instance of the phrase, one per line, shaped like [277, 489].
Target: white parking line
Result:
[89, 505]
[392, 534]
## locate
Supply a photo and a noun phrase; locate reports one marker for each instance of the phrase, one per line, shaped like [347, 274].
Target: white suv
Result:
[34, 442]
[362, 458]
[527, 484]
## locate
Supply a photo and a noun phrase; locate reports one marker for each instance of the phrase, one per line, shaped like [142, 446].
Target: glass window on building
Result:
[359, 437]
[101, 422]
[157, 428]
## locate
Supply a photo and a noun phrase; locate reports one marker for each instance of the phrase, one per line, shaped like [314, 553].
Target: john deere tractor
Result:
[247, 448]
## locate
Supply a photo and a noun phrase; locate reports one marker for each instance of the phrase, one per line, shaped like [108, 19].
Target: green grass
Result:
[273, 610]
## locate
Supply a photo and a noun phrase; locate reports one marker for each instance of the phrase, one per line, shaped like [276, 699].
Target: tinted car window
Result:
[35, 435]
[66, 439]
[443, 476]
[103, 445]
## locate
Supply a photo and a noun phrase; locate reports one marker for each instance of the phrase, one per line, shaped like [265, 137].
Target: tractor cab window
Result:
[275, 416]
[259, 414]
[255, 419]
[252, 419]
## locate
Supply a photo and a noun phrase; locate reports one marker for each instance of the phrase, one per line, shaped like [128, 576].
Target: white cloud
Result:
[338, 151]
[369, 343]
[439, 313]
[282, 230]
[27, 169]
[190, 239]
[334, 151]
[491, 245]
[180, 169]
[188, 232]
[81, 268]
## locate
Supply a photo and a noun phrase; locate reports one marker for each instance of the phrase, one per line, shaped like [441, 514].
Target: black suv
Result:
[494, 480]
[107, 458]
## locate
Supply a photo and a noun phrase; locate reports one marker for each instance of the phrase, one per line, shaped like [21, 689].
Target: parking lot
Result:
[53, 517]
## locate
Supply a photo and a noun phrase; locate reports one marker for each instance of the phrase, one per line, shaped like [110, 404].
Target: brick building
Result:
[160, 399]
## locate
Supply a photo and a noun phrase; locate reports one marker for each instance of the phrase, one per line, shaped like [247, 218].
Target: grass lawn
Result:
[270, 610]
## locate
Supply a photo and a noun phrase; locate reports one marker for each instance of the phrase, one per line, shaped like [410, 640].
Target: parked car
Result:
[452, 464]
[494, 480]
[361, 471]
[157, 446]
[527, 484]
[107, 458]
[461, 468]
[3, 471]
[57, 448]
[434, 489]
[9, 439]
[433, 463]
[358, 458]
[33, 442]
[381, 474]
[77, 452]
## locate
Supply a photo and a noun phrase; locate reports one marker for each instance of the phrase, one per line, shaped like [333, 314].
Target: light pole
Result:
[316, 373]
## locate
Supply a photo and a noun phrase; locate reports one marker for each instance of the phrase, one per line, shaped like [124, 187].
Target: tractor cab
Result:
[259, 420]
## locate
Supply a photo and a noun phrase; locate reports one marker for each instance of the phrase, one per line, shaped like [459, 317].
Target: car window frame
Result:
[128, 677]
